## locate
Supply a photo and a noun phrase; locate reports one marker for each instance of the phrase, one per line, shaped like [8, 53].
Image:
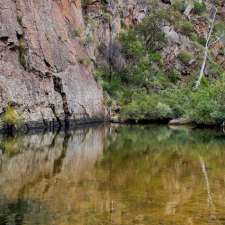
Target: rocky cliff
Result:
[51, 50]
[45, 70]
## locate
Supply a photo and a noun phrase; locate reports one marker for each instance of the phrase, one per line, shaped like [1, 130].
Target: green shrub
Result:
[186, 27]
[199, 7]
[161, 81]
[204, 106]
[174, 76]
[179, 5]
[10, 116]
[219, 28]
[113, 87]
[178, 99]
[149, 30]
[214, 69]
[146, 107]
[155, 57]
[207, 104]
[132, 47]
[194, 36]
[185, 57]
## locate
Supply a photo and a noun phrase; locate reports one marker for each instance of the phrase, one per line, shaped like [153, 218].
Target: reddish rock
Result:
[41, 68]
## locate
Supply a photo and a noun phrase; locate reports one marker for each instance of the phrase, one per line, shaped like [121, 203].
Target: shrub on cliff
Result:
[132, 47]
[179, 5]
[11, 118]
[149, 30]
[185, 57]
[199, 7]
[186, 27]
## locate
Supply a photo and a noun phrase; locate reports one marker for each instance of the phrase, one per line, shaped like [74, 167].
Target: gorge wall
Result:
[50, 51]
[45, 70]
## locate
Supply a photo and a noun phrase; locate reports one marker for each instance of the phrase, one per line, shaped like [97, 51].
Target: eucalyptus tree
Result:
[212, 18]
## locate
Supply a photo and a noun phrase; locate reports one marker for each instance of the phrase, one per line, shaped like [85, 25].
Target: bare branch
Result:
[213, 16]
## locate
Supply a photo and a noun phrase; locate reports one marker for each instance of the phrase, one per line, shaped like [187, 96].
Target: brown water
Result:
[107, 175]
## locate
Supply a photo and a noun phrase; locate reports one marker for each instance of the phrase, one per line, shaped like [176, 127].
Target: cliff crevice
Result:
[38, 47]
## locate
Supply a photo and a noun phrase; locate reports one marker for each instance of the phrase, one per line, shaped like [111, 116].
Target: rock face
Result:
[45, 69]
[105, 21]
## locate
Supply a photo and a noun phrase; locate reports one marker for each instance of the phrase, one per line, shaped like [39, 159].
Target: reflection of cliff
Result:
[64, 179]
[50, 156]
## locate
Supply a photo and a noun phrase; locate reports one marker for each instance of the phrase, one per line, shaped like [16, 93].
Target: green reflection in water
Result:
[114, 175]
[167, 176]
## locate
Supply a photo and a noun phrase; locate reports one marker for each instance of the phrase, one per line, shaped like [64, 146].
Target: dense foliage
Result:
[145, 89]
[205, 105]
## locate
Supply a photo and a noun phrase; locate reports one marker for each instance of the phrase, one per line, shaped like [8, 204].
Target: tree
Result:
[150, 30]
[208, 37]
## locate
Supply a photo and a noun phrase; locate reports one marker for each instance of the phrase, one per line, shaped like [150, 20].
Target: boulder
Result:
[181, 121]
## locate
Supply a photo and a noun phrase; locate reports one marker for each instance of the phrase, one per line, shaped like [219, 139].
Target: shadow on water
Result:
[113, 175]
[15, 212]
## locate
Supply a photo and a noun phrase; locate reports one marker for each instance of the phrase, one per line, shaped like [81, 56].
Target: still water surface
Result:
[108, 175]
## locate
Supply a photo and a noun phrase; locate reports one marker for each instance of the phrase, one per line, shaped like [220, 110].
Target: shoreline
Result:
[54, 126]
[167, 122]
[51, 126]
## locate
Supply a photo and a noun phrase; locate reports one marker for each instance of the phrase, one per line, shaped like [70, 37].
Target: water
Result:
[113, 175]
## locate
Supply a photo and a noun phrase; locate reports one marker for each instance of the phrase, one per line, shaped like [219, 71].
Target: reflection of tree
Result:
[205, 173]
[211, 204]
[161, 171]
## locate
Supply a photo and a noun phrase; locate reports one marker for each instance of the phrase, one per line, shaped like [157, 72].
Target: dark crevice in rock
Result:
[52, 107]
[39, 73]
[58, 86]
[48, 74]
[4, 39]
[8, 42]
[47, 63]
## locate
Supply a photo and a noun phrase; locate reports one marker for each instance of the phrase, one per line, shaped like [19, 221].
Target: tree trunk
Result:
[206, 50]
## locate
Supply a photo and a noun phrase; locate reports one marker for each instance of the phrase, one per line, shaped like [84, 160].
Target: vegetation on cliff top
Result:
[149, 89]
